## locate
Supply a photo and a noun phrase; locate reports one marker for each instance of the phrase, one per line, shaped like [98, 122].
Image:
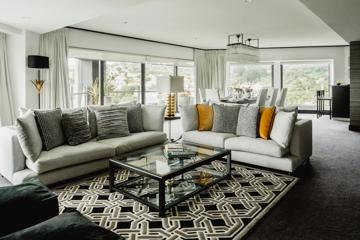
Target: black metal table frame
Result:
[114, 164]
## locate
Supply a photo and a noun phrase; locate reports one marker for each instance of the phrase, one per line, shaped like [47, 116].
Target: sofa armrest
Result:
[301, 141]
[12, 158]
[25, 205]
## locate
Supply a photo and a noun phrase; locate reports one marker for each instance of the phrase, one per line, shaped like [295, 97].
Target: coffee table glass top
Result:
[154, 161]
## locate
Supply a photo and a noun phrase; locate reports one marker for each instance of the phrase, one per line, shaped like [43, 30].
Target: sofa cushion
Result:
[29, 136]
[75, 127]
[256, 145]
[50, 128]
[66, 155]
[247, 121]
[153, 117]
[189, 117]
[134, 141]
[225, 118]
[206, 115]
[283, 126]
[266, 119]
[111, 123]
[134, 117]
[69, 225]
[207, 138]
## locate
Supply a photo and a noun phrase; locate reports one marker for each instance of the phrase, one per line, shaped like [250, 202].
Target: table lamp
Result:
[170, 85]
[38, 62]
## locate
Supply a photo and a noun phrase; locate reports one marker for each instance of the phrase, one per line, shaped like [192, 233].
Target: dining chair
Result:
[201, 95]
[272, 97]
[261, 98]
[212, 95]
[280, 100]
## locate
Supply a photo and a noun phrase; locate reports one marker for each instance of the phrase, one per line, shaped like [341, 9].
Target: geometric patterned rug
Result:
[227, 210]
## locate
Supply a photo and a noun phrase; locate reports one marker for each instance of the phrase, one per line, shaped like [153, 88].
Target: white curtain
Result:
[56, 90]
[210, 69]
[7, 114]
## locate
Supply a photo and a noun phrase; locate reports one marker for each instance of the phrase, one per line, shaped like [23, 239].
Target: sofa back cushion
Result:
[189, 118]
[112, 123]
[283, 127]
[76, 127]
[134, 117]
[50, 128]
[153, 117]
[225, 118]
[266, 118]
[247, 121]
[29, 136]
[206, 115]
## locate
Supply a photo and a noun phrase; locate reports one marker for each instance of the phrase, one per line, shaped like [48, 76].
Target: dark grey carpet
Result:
[325, 203]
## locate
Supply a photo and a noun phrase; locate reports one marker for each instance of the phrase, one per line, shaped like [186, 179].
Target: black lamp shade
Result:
[36, 61]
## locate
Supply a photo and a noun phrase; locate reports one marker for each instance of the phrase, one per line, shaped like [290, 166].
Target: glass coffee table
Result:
[162, 183]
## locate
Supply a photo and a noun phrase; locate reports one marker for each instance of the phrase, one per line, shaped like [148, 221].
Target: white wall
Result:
[98, 41]
[339, 56]
[19, 46]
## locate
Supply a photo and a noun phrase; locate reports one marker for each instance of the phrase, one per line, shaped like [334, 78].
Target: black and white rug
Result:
[225, 211]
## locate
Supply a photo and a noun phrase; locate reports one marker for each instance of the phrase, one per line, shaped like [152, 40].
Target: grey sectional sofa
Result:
[260, 152]
[66, 162]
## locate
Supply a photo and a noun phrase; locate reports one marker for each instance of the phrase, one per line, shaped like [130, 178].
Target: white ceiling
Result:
[198, 23]
[47, 15]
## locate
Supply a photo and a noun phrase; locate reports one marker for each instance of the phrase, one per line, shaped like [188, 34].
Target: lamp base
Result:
[170, 105]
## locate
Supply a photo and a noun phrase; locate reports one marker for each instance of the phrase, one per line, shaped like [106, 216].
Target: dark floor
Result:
[325, 203]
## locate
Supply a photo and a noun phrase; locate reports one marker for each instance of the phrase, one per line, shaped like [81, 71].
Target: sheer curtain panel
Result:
[7, 114]
[56, 91]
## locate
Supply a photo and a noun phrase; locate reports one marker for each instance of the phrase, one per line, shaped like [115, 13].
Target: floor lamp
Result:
[38, 62]
[170, 85]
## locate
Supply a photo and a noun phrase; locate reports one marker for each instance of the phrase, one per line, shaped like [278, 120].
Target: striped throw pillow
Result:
[112, 123]
[75, 127]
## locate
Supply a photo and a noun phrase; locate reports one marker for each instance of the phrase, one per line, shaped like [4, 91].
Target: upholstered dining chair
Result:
[212, 95]
[272, 95]
[261, 98]
[280, 100]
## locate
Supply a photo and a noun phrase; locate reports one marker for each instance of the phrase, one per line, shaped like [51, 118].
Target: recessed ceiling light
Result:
[125, 22]
[247, 1]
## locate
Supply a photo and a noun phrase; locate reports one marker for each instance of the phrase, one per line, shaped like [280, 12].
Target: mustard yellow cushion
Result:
[206, 114]
[266, 117]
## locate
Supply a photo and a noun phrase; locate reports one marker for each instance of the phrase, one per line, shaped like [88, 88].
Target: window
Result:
[303, 80]
[84, 82]
[122, 82]
[254, 76]
[153, 71]
[189, 79]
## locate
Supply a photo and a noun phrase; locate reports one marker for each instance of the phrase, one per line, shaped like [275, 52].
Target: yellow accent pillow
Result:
[206, 114]
[266, 117]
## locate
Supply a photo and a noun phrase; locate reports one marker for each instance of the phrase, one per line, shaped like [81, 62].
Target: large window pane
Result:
[153, 72]
[254, 76]
[84, 82]
[189, 79]
[303, 80]
[122, 82]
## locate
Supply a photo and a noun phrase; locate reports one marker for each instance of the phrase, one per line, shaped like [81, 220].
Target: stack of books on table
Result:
[176, 150]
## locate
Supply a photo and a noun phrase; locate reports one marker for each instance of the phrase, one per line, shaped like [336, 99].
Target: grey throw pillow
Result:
[189, 117]
[112, 123]
[75, 127]
[247, 121]
[283, 127]
[134, 117]
[153, 117]
[29, 136]
[50, 128]
[225, 118]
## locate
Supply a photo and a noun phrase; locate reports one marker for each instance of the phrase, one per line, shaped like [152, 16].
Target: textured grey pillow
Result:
[189, 117]
[247, 121]
[283, 127]
[29, 136]
[134, 117]
[153, 117]
[112, 123]
[75, 127]
[50, 128]
[225, 118]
